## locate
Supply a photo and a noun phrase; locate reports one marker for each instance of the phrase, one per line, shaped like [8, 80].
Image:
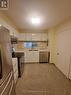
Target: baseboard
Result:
[38, 63]
[61, 72]
[52, 63]
[31, 62]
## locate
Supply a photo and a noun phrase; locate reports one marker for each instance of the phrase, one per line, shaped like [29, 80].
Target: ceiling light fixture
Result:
[35, 20]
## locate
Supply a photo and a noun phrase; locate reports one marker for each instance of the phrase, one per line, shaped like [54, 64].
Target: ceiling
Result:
[51, 12]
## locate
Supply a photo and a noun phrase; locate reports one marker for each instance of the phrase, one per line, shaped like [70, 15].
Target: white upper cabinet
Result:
[22, 36]
[28, 36]
[44, 37]
[36, 37]
[33, 36]
[25, 36]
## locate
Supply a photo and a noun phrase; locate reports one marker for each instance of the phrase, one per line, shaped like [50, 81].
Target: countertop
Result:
[18, 54]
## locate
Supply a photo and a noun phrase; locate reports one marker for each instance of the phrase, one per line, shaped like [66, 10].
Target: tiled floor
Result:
[42, 79]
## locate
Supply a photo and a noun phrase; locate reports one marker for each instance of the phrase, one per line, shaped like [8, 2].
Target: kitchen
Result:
[35, 49]
[31, 44]
[29, 54]
[32, 47]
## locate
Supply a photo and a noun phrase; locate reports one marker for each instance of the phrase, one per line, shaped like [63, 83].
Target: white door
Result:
[70, 69]
[63, 51]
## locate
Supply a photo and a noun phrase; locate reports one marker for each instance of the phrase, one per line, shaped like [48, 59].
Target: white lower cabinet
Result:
[31, 56]
[15, 68]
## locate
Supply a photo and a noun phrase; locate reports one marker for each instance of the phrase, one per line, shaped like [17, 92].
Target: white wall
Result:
[51, 44]
[6, 22]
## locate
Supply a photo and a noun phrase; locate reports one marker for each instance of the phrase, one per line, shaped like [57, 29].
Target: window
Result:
[30, 44]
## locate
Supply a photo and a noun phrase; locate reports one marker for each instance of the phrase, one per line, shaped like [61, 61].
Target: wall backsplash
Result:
[40, 45]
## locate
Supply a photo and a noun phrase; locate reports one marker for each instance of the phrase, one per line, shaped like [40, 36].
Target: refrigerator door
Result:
[5, 48]
[0, 63]
[6, 71]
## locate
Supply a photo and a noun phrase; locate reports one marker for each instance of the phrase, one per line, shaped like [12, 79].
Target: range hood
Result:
[14, 40]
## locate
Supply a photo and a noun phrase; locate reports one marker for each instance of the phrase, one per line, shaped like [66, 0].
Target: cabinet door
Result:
[35, 56]
[36, 37]
[31, 56]
[44, 37]
[27, 56]
[28, 37]
[22, 36]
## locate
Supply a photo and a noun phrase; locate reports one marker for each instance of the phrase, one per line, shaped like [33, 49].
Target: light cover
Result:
[35, 20]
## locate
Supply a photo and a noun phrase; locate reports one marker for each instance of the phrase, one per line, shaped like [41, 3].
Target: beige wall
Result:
[6, 22]
[51, 36]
